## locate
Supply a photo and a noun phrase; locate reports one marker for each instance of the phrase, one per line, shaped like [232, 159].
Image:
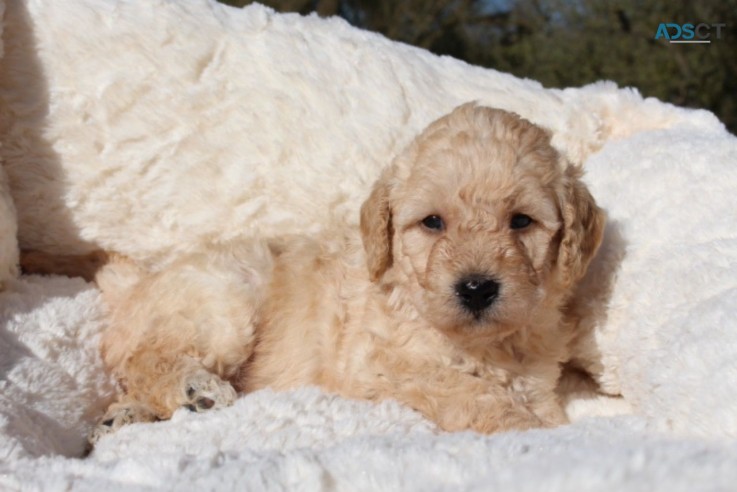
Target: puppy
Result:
[451, 298]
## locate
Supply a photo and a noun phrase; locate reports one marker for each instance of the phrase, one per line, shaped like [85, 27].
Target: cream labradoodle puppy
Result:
[451, 299]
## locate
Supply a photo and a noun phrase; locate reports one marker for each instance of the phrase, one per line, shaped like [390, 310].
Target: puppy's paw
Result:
[520, 419]
[120, 414]
[205, 391]
[493, 418]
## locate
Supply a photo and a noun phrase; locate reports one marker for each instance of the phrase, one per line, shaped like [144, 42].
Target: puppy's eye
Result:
[433, 222]
[520, 221]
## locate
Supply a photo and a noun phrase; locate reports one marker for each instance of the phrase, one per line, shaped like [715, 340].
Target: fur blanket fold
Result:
[111, 109]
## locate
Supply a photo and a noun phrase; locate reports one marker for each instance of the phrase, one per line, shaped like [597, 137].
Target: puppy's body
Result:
[324, 322]
[451, 299]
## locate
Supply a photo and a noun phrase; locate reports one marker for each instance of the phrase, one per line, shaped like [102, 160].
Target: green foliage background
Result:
[564, 43]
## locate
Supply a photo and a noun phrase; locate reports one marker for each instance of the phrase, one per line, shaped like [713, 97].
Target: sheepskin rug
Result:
[152, 127]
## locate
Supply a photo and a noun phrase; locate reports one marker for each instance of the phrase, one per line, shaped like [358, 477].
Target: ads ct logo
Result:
[689, 33]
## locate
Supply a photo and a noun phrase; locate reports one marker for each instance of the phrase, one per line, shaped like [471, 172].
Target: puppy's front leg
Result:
[176, 337]
[167, 382]
[457, 402]
[157, 385]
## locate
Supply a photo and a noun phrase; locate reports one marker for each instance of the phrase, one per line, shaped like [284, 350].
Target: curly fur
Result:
[372, 313]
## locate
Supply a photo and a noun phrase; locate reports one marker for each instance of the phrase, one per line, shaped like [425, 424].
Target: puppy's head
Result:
[481, 222]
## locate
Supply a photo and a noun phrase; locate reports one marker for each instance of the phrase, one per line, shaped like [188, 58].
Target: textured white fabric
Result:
[151, 126]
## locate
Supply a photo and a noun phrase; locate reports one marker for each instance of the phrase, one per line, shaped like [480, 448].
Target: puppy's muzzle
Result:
[476, 293]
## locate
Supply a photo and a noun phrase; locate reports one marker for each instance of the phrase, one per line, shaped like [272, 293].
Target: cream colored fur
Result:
[375, 315]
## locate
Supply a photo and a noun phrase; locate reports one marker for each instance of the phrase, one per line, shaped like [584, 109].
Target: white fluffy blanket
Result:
[663, 290]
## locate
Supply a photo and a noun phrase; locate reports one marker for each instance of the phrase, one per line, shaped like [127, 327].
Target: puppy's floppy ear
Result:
[376, 227]
[583, 228]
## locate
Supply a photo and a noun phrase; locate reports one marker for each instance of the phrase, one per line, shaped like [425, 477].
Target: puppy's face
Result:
[481, 222]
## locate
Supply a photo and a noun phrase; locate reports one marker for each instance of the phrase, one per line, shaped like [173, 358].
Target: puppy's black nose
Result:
[477, 292]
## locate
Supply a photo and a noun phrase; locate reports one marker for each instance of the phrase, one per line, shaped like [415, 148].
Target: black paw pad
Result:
[205, 403]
